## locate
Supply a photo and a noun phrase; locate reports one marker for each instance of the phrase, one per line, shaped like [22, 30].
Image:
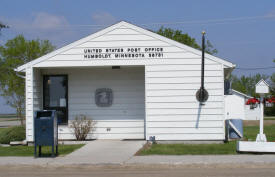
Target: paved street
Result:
[9, 123]
[138, 171]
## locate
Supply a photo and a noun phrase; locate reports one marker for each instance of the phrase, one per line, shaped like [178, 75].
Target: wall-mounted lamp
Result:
[115, 67]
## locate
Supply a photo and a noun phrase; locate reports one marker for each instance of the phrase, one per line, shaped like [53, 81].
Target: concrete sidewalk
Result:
[142, 160]
[103, 152]
[202, 159]
[108, 152]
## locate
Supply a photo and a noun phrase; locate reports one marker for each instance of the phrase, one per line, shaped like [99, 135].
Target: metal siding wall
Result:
[29, 103]
[173, 112]
[33, 98]
[126, 115]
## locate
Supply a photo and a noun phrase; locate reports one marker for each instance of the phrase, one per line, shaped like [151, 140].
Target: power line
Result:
[214, 20]
[256, 68]
[193, 22]
[217, 21]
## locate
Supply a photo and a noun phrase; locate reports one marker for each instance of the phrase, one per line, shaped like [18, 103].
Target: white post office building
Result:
[133, 82]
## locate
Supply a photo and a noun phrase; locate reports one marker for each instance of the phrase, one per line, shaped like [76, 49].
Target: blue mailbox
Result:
[45, 131]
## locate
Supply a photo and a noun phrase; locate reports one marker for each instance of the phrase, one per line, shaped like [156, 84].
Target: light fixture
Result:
[115, 67]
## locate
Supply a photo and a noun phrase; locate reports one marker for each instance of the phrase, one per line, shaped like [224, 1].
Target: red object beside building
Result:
[252, 101]
[270, 100]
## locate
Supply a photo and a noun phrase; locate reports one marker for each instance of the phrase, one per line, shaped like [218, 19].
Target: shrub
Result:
[82, 127]
[269, 111]
[16, 133]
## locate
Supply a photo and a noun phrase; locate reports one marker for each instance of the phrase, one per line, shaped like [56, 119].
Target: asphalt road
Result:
[10, 123]
[138, 171]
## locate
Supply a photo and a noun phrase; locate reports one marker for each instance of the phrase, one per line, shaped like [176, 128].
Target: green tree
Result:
[272, 78]
[3, 26]
[270, 111]
[14, 53]
[184, 38]
[246, 84]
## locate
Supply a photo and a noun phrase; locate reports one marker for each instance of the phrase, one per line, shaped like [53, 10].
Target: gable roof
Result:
[262, 81]
[226, 64]
[240, 93]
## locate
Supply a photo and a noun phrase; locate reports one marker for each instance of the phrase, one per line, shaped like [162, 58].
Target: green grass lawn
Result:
[7, 116]
[2, 130]
[29, 150]
[9, 119]
[250, 133]
[269, 118]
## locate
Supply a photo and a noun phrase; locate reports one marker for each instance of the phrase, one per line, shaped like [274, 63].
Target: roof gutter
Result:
[228, 71]
[17, 74]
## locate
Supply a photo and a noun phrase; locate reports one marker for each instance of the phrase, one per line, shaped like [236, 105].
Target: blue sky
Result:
[242, 31]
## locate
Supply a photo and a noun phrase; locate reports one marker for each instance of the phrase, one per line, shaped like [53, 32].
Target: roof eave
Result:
[240, 93]
[226, 64]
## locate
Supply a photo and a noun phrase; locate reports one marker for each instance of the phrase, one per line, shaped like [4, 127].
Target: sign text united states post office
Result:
[129, 52]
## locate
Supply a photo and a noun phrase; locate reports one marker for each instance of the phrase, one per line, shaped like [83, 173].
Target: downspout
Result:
[228, 71]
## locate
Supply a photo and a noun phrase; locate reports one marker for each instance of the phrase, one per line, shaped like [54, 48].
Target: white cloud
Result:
[103, 18]
[43, 26]
[45, 21]
[270, 14]
[53, 27]
[39, 21]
